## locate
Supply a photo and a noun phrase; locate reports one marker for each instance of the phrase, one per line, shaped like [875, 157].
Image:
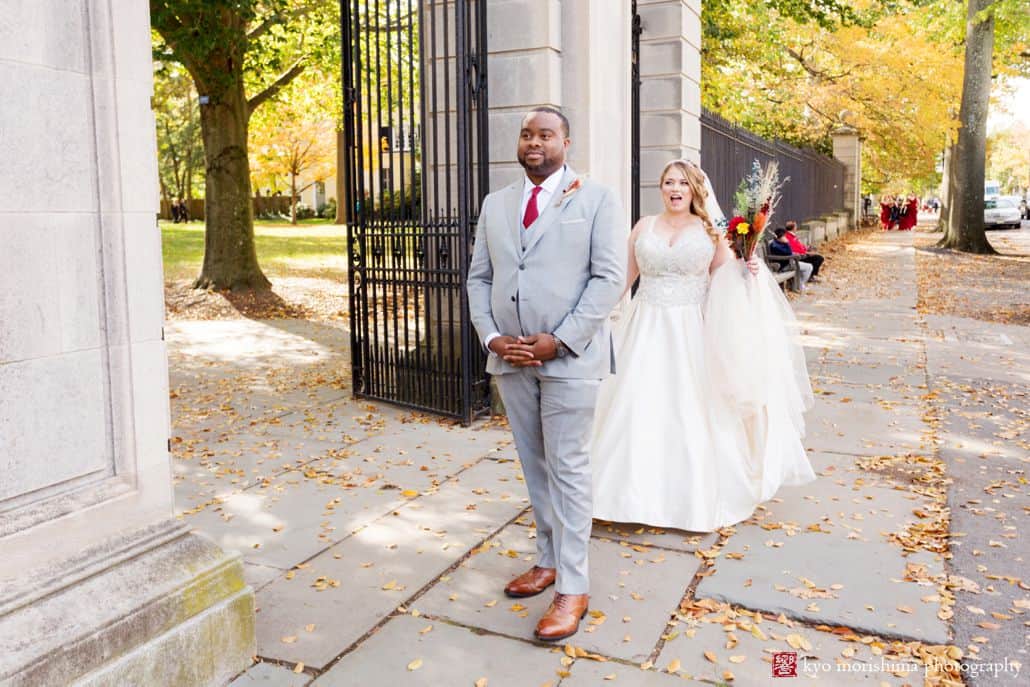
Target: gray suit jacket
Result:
[566, 281]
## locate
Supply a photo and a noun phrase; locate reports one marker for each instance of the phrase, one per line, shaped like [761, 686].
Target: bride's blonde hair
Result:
[698, 193]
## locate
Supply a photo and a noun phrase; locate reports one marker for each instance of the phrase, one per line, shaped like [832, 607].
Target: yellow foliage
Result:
[893, 81]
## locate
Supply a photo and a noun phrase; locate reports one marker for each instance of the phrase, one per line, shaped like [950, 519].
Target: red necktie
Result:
[531, 211]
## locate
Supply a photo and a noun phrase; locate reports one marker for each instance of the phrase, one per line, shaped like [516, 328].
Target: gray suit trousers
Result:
[551, 419]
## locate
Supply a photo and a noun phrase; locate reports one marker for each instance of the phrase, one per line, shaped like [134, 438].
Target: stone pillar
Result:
[670, 90]
[847, 147]
[573, 55]
[525, 70]
[596, 90]
[99, 585]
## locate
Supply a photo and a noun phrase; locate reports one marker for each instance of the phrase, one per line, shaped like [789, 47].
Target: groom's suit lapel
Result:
[549, 215]
[512, 206]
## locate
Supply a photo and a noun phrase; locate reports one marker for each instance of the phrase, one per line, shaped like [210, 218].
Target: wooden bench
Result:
[776, 264]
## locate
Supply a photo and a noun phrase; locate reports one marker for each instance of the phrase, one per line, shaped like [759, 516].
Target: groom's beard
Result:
[545, 168]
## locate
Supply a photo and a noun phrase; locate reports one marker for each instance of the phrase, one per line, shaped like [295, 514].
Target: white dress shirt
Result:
[547, 191]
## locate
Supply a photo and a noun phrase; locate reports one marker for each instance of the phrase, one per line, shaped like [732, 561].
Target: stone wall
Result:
[84, 421]
[670, 92]
[574, 55]
[84, 408]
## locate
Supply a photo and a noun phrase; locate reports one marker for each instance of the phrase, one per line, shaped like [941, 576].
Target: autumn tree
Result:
[240, 54]
[1008, 157]
[964, 228]
[304, 152]
[963, 221]
[813, 66]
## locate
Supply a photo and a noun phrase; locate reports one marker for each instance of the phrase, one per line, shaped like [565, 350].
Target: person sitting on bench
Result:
[804, 253]
[780, 246]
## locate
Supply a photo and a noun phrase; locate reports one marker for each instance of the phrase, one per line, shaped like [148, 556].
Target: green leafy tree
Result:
[180, 150]
[240, 55]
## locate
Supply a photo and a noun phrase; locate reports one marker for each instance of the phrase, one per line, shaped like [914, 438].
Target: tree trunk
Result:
[342, 179]
[230, 258]
[942, 219]
[189, 173]
[293, 198]
[964, 230]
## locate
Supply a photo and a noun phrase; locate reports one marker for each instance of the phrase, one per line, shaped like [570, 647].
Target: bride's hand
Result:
[752, 265]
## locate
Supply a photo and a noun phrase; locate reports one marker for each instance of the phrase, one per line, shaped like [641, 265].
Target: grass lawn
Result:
[314, 248]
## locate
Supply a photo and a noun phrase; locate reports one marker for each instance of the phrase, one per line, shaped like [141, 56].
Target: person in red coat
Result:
[885, 211]
[911, 214]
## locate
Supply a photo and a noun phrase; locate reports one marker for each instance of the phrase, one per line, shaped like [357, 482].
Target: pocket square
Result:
[578, 220]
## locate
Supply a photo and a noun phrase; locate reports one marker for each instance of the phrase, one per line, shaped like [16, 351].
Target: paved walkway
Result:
[378, 541]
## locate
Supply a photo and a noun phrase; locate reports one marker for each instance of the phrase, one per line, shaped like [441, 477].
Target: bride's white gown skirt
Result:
[703, 419]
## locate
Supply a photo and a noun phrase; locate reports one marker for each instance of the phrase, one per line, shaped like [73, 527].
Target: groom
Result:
[549, 265]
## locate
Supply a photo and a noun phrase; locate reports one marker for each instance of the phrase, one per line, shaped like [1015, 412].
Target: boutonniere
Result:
[576, 184]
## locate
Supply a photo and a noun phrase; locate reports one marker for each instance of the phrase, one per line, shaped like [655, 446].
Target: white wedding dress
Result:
[703, 419]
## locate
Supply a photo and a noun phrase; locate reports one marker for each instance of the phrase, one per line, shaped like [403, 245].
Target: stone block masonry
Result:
[98, 583]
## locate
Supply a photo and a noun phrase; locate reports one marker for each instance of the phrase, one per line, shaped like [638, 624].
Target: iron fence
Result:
[816, 182]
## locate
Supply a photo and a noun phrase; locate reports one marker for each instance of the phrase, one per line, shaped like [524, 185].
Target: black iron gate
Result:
[634, 114]
[415, 135]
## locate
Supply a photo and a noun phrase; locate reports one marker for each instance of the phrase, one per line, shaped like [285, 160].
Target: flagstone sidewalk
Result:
[378, 540]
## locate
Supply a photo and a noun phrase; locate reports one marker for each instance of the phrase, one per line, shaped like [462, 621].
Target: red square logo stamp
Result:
[785, 664]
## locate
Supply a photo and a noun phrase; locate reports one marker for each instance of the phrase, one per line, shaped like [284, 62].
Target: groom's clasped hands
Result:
[525, 351]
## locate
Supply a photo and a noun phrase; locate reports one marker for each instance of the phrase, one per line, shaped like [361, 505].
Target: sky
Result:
[1011, 107]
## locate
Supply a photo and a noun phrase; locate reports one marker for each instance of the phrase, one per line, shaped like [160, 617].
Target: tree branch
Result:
[817, 73]
[276, 86]
[275, 19]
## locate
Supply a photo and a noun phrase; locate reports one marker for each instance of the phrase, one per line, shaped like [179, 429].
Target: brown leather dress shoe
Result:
[531, 582]
[562, 617]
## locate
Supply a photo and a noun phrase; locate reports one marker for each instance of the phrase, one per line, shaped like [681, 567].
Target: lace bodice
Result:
[677, 274]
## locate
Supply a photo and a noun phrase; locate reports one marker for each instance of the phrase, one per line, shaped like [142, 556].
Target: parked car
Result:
[1020, 204]
[1001, 213]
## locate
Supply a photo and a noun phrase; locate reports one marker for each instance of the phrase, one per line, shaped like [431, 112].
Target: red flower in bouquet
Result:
[754, 201]
[743, 235]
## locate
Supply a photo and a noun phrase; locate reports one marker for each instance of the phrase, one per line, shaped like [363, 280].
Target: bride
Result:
[703, 419]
